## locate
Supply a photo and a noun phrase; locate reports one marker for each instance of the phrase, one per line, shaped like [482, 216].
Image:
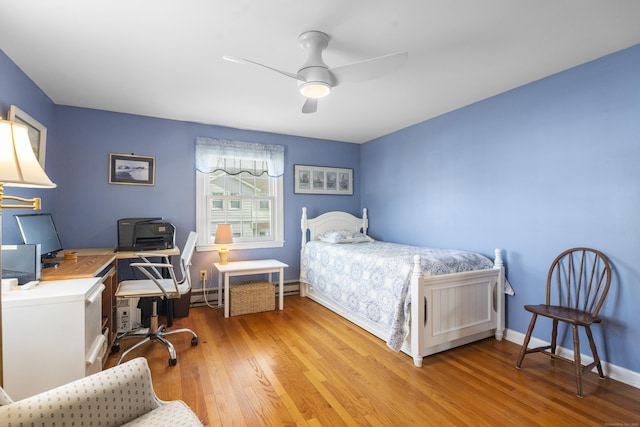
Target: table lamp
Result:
[224, 236]
[18, 168]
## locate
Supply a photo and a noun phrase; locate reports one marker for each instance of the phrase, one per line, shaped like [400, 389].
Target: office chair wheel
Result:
[115, 348]
[194, 341]
[172, 362]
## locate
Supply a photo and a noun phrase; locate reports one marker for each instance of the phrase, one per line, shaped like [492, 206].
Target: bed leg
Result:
[417, 361]
[499, 295]
[303, 289]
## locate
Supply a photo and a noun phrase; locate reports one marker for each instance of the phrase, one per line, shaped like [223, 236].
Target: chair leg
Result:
[527, 338]
[177, 331]
[594, 351]
[170, 348]
[577, 359]
[554, 337]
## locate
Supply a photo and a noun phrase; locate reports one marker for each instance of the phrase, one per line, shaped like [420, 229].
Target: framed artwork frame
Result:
[37, 132]
[131, 169]
[322, 180]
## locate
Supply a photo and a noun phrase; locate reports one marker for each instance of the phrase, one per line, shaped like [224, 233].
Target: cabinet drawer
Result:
[93, 360]
[93, 316]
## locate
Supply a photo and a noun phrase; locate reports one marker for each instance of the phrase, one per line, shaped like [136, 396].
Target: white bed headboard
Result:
[335, 220]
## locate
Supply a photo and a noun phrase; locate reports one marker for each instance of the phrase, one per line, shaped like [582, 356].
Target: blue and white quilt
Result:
[372, 278]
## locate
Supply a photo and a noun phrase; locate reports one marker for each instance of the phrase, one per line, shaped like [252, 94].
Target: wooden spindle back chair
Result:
[577, 285]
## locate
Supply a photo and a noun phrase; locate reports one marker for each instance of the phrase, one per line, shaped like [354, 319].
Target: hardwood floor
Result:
[307, 366]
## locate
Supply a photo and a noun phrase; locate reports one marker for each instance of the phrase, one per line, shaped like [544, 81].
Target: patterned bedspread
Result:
[372, 279]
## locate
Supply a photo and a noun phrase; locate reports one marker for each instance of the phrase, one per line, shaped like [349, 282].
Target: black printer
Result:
[140, 234]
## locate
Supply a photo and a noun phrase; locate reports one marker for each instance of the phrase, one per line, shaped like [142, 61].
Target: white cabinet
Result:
[52, 334]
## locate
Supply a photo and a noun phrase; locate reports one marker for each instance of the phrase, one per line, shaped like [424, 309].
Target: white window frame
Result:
[203, 222]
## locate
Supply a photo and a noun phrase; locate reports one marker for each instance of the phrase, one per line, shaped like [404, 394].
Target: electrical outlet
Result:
[203, 275]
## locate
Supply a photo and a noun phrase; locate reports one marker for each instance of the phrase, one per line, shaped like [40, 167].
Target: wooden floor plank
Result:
[306, 366]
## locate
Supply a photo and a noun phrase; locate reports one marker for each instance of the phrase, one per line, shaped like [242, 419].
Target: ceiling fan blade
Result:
[369, 68]
[246, 61]
[310, 106]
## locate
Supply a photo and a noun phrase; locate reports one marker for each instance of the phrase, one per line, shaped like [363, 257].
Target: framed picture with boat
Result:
[131, 169]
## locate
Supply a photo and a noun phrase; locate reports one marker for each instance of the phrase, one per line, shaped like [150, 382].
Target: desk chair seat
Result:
[156, 287]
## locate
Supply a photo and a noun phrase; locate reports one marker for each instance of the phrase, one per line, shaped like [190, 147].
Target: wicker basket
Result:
[251, 297]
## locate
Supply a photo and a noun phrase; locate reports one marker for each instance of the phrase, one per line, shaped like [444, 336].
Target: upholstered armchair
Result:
[122, 395]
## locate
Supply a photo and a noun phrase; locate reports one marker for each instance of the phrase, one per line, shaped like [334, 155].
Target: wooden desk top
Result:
[83, 267]
[132, 254]
[121, 254]
[89, 251]
[90, 262]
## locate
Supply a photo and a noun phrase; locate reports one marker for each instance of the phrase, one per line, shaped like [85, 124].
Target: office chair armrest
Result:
[145, 255]
[147, 267]
[151, 272]
[151, 264]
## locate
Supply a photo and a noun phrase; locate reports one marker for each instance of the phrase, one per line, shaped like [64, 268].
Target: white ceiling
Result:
[163, 58]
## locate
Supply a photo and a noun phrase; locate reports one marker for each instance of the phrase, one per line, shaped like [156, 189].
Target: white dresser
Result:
[52, 334]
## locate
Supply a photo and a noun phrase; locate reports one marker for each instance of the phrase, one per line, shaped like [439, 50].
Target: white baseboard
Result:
[610, 370]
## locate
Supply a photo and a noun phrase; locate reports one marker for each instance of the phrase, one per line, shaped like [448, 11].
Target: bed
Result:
[374, 284]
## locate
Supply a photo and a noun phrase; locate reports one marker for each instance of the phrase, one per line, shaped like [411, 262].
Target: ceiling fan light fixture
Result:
[315, 79]
[315, 89]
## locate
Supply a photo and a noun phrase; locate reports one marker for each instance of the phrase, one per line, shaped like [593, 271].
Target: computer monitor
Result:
[40, 228]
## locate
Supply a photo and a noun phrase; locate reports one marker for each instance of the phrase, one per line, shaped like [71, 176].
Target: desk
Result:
[97, 262]
[121, 254]
[244, 268]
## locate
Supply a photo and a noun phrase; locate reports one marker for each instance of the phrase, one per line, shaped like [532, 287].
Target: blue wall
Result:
[536, 170]
[86, 207]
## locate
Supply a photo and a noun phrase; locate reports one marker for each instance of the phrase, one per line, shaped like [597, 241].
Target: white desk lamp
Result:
[18, 168]
[224, 236]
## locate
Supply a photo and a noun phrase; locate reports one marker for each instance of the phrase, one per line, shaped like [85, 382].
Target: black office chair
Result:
[156, 287]
[579, 280]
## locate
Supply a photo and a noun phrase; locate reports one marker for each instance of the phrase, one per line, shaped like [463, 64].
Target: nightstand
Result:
[245, 268]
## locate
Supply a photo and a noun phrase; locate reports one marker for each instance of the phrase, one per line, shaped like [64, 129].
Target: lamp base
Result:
[224, 255]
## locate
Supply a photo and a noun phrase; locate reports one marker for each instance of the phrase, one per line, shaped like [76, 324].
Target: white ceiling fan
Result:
[316, 79]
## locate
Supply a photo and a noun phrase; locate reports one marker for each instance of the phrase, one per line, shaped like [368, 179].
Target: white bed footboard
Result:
[454, 309]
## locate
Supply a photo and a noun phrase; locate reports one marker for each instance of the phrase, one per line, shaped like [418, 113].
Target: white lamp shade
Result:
[18, 164]
[223, 234]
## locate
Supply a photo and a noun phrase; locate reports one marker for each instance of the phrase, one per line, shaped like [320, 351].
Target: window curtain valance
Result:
[234, 157]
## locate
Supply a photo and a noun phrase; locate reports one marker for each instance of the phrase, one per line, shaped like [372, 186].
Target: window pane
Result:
[262, 184]
[245, 201]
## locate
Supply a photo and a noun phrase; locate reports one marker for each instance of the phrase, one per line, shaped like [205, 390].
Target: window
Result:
[239, 183]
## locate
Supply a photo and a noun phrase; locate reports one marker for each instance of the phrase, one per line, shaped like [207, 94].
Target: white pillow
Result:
[343, 236]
